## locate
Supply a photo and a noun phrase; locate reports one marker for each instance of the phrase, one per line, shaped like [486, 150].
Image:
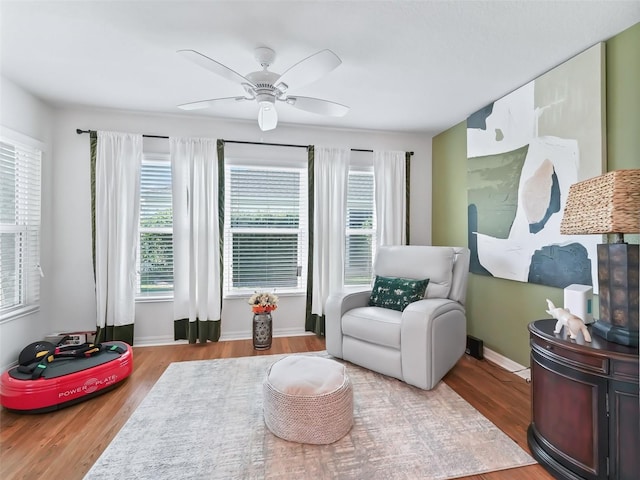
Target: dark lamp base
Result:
[611, 333]
[619, 293]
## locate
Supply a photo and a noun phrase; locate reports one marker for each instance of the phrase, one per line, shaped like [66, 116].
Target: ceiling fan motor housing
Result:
[265, 91]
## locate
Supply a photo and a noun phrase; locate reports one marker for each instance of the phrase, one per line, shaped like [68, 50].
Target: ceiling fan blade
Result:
[209, 103]
[215, 67]
[316, 105]
[267, 117]
[310, 69]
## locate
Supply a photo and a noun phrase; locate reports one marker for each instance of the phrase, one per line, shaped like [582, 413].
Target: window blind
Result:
[265, 228]
[156, 228]
[360, 229]
[19, 227]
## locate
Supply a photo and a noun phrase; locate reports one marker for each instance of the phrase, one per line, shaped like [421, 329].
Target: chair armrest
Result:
[433, 338]
[337, 304]
[429, 309]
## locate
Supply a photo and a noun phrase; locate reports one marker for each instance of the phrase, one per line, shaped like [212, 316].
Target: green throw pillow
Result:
[396, 293]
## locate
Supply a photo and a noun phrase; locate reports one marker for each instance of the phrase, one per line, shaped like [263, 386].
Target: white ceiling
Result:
[412, 66]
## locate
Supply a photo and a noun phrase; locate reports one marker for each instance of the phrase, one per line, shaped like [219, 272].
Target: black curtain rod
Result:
[80, 132]
[242, 142]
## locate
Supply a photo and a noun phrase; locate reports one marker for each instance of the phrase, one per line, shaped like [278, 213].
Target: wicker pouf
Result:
[308, 399]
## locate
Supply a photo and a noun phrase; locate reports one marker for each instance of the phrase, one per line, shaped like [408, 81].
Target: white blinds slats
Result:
[19, 226]
[156, 229]
[360, 229]
[265, 238]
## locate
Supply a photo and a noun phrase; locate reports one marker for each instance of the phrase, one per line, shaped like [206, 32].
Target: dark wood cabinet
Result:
[585, 405]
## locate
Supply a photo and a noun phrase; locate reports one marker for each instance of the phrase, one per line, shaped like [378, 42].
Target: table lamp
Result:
[610, 204]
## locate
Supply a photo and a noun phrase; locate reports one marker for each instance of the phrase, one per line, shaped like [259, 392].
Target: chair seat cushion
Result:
[380, 326]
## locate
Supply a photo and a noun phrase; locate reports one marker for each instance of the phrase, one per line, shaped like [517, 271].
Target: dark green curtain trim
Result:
[198, 331]
[122, 333]
[315, 323]
[221, 198]
[93, 145]
[407, 161]
[312, 323]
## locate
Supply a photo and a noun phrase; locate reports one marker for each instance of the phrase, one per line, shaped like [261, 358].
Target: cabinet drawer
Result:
[565, 356]
[627, 371]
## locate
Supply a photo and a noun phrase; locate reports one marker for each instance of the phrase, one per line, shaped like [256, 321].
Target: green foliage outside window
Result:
[156, 253]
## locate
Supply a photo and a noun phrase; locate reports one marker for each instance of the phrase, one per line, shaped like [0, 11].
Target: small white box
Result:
[74, 338]
[578, 299]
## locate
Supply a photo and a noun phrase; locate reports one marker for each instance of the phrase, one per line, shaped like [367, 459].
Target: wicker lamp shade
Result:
[609, 203]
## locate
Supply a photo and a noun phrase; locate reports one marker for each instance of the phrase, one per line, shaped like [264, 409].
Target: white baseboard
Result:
[159, 341]
[278, 332]
[489, 354]
[508, 364]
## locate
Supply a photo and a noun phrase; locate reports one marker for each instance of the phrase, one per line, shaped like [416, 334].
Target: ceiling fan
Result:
[267, 88]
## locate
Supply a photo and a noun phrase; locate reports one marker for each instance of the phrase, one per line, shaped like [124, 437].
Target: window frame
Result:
[29, 296]
[163, 159]
[267, 158]
[360, 167]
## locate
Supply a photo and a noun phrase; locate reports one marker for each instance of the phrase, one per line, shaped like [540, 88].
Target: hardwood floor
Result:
[65, 443]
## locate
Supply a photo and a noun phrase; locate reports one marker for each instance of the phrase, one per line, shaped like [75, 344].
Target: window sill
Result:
[227, 296]
[246, 295]
[18, 313]
[154, 299]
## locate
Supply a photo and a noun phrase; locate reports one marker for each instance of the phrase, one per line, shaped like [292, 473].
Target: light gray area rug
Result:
[203, 420]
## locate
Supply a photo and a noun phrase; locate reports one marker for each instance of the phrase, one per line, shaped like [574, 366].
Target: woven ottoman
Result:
[308, 399]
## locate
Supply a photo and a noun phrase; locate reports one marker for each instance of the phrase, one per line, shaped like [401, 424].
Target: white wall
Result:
[25, 114]
[73, 305]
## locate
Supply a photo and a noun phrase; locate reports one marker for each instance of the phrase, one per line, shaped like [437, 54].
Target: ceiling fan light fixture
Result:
[267, 117]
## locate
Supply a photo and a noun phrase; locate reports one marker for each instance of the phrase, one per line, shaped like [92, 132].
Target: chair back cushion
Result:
[420, 262]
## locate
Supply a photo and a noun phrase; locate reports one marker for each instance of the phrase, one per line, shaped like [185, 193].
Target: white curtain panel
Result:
[389, 171]
[196, 237]
[331, 171]
[118, 163]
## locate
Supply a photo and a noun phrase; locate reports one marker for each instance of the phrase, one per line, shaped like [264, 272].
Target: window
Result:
[155, 255]
[265, 228]
[19, 227]
[360, 230]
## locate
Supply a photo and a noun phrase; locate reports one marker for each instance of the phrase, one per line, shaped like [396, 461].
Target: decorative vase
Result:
[262, 333]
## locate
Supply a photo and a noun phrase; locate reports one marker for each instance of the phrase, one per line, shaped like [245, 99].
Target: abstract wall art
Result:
[524, 151]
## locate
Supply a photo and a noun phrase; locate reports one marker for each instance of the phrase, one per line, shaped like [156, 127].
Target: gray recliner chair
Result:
[418, 345]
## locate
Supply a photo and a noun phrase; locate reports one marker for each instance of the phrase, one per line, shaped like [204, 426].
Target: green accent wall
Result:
[498, 310]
